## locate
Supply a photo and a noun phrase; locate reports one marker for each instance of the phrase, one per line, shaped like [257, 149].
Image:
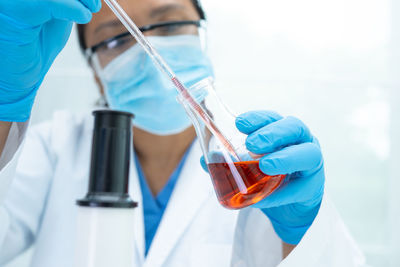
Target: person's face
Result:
[105, 25]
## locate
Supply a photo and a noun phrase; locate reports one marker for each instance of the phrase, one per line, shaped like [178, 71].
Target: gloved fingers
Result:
[70, 10]
[25, 13]
[315, 141]
[93, 5]
[203, 164]
[215, 157]
[305, 157]
[284, 132]
[253, 120]
[304, 191]
[306, 162]
[58, 37]
[212, 156]
[10, 35]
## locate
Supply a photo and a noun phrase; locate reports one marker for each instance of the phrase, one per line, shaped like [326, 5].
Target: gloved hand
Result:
[32, 33]
[291, 149]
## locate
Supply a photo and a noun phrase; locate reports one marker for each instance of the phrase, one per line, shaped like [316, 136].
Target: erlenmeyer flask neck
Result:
[218, 115]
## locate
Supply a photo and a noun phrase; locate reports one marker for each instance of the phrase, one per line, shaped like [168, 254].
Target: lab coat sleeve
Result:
[8, 164]
[327, 243]
[10, 155]
[22, 202]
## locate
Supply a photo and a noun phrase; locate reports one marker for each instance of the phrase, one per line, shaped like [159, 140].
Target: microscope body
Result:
[104, 233]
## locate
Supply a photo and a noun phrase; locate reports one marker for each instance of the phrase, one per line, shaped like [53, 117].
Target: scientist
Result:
[180, 222]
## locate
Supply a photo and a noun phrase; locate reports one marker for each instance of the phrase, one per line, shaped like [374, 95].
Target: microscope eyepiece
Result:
[111, 153]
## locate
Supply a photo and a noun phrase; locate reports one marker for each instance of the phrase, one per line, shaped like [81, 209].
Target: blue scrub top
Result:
[153, 207]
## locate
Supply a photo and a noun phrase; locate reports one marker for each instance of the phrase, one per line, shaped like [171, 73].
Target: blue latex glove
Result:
[291, 150]
[32, 33]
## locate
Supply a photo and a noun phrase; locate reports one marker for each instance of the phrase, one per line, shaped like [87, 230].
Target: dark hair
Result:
[81, 27]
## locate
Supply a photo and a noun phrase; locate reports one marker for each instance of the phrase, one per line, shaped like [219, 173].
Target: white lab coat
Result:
[52, 173]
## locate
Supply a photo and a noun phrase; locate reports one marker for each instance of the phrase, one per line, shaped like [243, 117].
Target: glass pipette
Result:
[163, 66]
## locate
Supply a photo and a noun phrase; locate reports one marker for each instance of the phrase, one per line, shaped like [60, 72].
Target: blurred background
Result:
[333, 63]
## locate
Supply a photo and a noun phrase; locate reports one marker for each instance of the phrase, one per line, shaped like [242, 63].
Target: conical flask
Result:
[237, 179]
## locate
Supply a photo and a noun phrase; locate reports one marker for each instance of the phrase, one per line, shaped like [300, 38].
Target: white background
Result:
[333, 63]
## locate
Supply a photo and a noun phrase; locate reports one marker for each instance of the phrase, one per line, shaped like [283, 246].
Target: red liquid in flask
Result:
[258, 184]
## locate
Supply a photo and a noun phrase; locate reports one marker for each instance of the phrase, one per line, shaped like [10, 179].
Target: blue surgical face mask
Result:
[133, 83]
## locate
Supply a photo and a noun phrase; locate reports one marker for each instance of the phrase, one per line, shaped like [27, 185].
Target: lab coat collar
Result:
[136, 194]
[193, 188]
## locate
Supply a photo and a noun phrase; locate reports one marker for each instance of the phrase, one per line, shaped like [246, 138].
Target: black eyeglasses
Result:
[114, 46]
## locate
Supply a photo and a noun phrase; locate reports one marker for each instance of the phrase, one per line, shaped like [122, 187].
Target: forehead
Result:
[143, 12]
